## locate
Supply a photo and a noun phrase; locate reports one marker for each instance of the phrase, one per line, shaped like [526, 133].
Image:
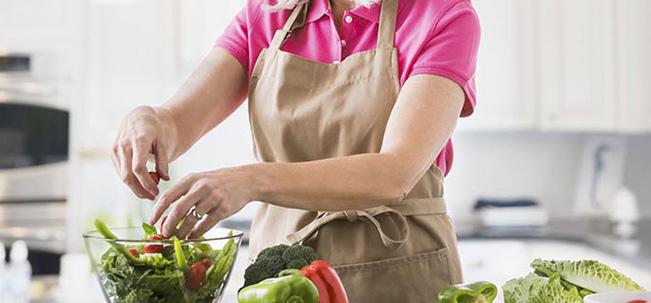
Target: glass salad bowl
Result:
[134, 265]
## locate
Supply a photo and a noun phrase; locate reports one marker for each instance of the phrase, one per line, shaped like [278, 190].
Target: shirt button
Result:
[343, 43]
[348, 19]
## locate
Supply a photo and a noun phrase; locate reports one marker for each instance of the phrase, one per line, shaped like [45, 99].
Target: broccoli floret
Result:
[264, 268]
[273, 251]
[267, 265]
[272, 260]
[297, 256]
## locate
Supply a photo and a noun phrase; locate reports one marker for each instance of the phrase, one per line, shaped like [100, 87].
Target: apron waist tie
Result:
[399, 212]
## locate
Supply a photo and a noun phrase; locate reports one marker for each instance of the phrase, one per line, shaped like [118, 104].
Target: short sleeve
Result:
[235, 38]
[451, 51]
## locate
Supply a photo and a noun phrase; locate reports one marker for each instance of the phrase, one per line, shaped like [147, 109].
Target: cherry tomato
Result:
[206, 262]
[154, 176]
[154, 248]
[637, 301]
[134, 252]
[196, 275]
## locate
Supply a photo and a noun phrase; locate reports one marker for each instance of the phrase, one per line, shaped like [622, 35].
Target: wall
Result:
[638, 171]
[541, 165]
[513, 164]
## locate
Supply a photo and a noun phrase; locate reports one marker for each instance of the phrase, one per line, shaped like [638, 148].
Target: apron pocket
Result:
[410, 279]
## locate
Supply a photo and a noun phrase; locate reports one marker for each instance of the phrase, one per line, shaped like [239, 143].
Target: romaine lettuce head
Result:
[588, 274]
[536, 289]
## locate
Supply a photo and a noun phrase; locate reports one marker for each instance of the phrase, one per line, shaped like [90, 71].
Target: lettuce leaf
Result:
[536, 289]
[588, 274]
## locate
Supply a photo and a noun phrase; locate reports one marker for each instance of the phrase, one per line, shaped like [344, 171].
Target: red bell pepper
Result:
[327, 282]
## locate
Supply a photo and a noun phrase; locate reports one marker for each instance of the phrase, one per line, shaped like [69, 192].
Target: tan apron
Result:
[301, 110]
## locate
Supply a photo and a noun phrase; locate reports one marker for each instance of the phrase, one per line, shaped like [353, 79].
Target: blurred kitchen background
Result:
[556, 161]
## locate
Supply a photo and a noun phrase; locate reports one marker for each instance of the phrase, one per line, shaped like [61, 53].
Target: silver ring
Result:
[193, 212]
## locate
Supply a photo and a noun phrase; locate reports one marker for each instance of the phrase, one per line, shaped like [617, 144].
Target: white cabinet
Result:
[505, 71]
[580, 65]
[577, 68]
[31, 25]
[633, 40]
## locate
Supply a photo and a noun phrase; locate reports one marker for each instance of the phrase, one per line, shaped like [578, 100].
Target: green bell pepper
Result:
[478, 292]
[289, 287]
[103, 230]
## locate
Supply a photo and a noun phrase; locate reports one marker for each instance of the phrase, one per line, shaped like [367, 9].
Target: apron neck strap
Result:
[282, 34]
[387, 28]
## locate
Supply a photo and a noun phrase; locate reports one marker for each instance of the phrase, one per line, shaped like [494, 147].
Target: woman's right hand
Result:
[147, 132]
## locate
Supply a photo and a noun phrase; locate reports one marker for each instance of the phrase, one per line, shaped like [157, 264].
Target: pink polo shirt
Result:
[438, 37]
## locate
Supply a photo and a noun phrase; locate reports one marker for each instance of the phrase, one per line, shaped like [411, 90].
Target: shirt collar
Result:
[320, 8]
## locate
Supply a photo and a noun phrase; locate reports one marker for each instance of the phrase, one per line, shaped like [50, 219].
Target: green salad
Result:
[168, 271]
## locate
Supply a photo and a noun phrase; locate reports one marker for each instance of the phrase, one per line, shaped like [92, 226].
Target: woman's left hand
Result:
[214, 195]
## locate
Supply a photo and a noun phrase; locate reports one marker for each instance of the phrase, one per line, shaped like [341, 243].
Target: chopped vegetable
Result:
[153, 248]
[274, 259]
[179, 255]
[134, 252]
[164, 276]
[290, 286]
[155, 177]
[589, 274]
[637, 301]
[206, 262]
[478, 292]
[149, 230]
[103, 230]
[327, 282]
[196, 275]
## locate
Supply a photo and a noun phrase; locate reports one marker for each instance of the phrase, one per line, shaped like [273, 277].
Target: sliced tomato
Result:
[134, 252]
[196, 275]
[154, 176]
[637, 301]
[154, 248]
[206, 262]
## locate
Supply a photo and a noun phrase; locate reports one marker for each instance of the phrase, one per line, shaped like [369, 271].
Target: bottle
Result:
[20, 271]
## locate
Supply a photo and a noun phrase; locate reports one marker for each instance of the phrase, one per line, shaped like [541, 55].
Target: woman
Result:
[351, 105]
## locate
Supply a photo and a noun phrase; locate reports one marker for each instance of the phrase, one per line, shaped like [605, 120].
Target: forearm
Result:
[420, 125]
[354, 182]
[213, 91]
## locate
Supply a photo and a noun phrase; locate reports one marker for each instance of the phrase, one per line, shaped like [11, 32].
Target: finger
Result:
[124, 155]
[202, 208]
[205, 224]
[115, 159]
[139, 166]
[162, 162]
[180, 210]
[167, 198]
[188, 223]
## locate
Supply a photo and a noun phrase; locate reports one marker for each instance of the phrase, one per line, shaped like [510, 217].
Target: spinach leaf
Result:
[149, 230]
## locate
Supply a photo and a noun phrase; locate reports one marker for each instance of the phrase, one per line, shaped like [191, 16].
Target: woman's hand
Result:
[214, 195]
[146, 132]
